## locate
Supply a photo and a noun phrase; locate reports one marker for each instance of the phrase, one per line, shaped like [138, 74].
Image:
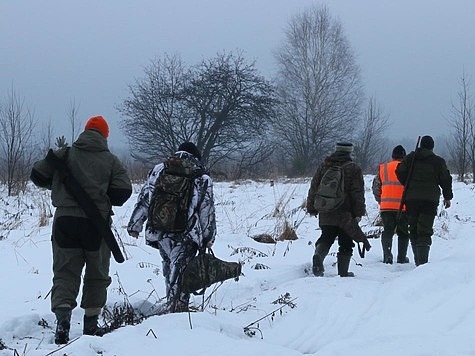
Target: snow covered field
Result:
[276, 308]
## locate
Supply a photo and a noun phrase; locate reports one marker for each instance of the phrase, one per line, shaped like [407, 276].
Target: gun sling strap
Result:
[86, 203]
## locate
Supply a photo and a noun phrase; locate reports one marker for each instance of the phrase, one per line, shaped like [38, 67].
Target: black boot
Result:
[321, 251]
[343, 262]
[386, 244]
[402, 244]
[63, 324]
[90, 326]
[422, 254]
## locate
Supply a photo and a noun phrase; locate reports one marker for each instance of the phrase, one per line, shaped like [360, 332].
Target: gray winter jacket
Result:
[98, 171]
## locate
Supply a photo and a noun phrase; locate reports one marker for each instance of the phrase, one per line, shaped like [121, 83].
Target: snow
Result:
[385, 310]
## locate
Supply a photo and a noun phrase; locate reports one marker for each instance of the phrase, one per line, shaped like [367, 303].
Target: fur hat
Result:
[190, 148]
[398, 152]
[427, 142]
[344, 147]
[98, 123]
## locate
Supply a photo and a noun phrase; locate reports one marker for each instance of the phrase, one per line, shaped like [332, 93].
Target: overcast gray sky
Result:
[411, 52]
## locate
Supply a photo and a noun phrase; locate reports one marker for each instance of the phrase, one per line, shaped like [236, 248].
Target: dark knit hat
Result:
[427, 142]
[190, 148]
[98, 123]
[344, 147]
[398, 152]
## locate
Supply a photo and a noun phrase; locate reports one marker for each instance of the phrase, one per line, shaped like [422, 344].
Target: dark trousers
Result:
[329, 235]
[389, 221]
[421, 215]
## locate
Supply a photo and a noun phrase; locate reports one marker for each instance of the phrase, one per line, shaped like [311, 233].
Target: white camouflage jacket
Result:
[201, 212]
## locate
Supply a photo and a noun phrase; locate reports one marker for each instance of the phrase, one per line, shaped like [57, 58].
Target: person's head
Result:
[98, 123]
[427, 142]
[398, 152]
[190, 148]
[344, 147]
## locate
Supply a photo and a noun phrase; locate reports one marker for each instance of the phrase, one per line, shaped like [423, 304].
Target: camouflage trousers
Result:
[175, 256]
[421, 216]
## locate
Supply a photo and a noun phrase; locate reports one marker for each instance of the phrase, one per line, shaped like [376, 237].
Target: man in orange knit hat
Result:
[76, 241]
[98, 123]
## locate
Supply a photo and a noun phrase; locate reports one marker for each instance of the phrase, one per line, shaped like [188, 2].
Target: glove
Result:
[358, 219]
[134, 234]
[446, 204]
[312, 212]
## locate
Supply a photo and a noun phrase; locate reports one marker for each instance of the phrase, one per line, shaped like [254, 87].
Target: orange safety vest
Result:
[391, 188]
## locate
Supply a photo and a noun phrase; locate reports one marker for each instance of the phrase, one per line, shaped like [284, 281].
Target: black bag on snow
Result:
[205, 269]
[168, 210]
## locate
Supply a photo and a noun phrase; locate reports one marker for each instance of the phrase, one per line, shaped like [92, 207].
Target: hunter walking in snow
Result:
[429, 176]
[75, 239]
[388, 191]
[336, 194]
[177, 227]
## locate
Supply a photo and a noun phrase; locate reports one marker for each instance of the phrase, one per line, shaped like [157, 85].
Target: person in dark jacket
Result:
[343, 221]
[177, 249]
[387, 191]
[429, 176]
[76, 242]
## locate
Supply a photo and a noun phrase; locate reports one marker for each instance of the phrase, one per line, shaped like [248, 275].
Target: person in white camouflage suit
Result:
[177, 249]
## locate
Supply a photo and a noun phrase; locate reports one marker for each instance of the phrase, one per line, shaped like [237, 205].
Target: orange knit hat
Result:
[98, 123]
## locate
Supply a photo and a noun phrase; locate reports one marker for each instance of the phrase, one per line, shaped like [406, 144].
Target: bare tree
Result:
[462, 142]
[73, 118]
[231, 106]
[370, 140]
[46, 139]
[155, 113]
[16, 143]
[319, 86]
[221, 104]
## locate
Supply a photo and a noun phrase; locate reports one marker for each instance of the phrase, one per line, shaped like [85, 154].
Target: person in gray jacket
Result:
[178, 248]
[340, 224]
[76, 242]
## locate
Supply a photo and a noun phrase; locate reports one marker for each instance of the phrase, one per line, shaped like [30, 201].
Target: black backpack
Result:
[168, 210]
[331, 191]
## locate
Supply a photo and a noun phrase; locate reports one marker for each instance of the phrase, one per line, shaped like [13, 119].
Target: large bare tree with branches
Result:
[231, 106]
[222, 104]
[319, 86]
[155, 113]
[16, 142]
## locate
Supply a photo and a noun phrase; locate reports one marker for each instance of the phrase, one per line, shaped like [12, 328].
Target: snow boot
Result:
[90, 326]
[422, 255]
[386, 244]
[321, 251]
[402, 244]
[63, 324]
[343, 263]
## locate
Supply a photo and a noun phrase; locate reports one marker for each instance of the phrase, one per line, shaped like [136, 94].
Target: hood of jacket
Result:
[92, 141]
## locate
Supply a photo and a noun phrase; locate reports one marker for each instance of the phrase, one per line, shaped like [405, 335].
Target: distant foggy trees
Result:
[319, 87]
[16, 142]
[462, 139]
[245, 124]
[370, 139]
[222, 104]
